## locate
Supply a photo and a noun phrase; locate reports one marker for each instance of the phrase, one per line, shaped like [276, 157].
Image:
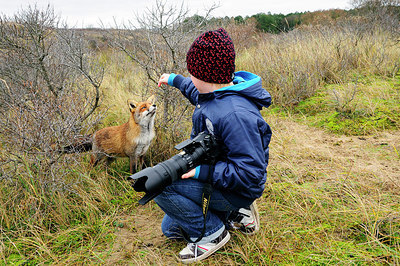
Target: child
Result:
[228, 106]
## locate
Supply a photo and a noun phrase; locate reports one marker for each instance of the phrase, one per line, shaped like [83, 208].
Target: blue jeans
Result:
[181, 202]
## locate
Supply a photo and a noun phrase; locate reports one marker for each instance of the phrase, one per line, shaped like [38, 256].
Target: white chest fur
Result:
[144, 139]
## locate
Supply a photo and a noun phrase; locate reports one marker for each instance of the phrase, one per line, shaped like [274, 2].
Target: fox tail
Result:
[81, 144]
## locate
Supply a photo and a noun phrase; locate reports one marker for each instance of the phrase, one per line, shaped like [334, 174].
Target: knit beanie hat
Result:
[211, 58]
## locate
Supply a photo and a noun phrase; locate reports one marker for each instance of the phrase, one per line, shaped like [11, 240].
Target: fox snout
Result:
[152, 110]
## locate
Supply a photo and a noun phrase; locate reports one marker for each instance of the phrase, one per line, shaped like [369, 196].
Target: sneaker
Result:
[196, 252]
[246, 220]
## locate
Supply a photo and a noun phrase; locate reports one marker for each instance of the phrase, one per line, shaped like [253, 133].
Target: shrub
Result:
[49, 91]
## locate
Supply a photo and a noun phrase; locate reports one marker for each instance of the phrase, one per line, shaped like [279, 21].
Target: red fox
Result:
[131, 139]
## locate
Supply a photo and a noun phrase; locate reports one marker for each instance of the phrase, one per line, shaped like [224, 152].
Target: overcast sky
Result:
[83, 13]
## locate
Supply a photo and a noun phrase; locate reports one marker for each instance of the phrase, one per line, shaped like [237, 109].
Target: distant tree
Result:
[239, 20]
[338, 13]
[195, 19]
[293, 20]
[322, 17]
[267, 22]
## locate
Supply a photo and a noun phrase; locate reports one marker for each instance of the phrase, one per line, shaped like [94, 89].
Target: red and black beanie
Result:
[211, 58]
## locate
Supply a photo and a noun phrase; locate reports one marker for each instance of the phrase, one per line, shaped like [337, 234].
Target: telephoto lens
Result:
[153, 180]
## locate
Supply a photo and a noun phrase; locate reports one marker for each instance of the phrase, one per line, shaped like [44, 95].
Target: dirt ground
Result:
[377, 154]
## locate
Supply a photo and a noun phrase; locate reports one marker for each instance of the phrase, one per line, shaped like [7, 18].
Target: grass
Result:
[296, 65]
[324, 203]
[332, 195]
[44, 226]
[365, 107]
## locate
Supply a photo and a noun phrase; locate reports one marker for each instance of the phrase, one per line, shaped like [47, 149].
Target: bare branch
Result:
[49, 90]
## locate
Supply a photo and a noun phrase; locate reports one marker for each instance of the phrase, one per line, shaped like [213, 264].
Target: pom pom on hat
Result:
[211, 57]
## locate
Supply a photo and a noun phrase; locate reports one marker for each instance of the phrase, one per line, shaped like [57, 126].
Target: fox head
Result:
[143, 112]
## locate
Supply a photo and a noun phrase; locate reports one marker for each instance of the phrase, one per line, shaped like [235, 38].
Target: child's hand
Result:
[189, 174]
[163, 79]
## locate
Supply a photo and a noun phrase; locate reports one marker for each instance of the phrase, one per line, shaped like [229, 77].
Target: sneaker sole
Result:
[209, 253]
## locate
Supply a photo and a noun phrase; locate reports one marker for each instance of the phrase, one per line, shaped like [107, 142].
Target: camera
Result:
[202, 149]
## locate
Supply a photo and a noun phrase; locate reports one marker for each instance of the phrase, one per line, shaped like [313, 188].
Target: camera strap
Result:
[205, 201]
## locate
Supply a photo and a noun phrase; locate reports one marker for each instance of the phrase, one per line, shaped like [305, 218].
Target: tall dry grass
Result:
[294, 65]
[68, 225]
[320, 205]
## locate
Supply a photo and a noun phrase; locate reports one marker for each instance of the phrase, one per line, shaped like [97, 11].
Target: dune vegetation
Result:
[332, 194]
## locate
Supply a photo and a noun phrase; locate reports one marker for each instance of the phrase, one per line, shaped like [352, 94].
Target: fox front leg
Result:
[132, 163]
[140, 163]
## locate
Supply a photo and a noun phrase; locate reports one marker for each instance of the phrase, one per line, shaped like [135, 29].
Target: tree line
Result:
[277, 23]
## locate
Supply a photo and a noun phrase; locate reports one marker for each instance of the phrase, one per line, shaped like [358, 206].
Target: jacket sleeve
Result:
[245, 165]
[186, 86]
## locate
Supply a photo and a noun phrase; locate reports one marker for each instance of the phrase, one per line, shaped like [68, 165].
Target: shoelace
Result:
[238, 216]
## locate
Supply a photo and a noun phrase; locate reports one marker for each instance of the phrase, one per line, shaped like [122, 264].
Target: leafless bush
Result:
[341, 100]
[49, 92]
[380, 14]
[158, 41]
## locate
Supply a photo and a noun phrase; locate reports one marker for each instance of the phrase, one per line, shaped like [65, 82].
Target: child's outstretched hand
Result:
[163, 79]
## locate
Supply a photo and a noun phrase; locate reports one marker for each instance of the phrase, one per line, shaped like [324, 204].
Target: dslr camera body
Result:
[202, 149]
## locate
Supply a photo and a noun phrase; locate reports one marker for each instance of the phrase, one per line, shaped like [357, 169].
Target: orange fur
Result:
[131, 139]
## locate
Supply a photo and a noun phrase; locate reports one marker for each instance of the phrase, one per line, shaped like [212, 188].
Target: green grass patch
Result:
[364, 107]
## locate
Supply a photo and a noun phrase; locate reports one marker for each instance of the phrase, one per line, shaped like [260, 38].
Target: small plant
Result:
[342, 101]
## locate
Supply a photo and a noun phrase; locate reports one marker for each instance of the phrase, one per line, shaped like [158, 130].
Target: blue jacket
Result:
[232, 115]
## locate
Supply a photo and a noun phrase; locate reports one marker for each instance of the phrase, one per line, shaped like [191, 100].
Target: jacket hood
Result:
[248, 85]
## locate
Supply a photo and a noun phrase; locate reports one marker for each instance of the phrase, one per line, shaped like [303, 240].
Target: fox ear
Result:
[151, 99]
[132, 104]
